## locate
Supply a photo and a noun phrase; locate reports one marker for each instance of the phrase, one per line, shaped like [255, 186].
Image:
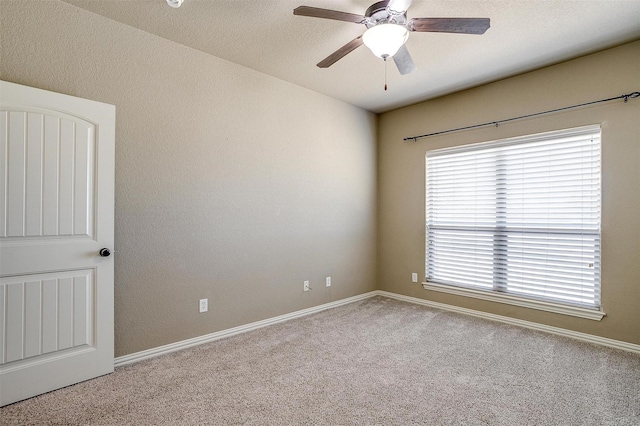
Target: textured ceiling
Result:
[265, 35]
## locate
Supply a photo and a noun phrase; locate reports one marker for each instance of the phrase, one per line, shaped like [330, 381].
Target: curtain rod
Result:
[496, 123]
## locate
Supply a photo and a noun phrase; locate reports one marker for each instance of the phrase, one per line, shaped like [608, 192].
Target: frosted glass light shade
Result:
[175, 3]
[384, 40]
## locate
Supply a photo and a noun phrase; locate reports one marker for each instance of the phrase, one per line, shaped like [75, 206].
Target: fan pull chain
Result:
[385, 74]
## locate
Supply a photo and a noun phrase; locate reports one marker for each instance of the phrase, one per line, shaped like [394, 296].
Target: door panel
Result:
[47, 313]
[56, 212]
[49, 182]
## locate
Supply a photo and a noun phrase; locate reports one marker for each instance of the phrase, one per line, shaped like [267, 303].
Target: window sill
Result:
[518, 301]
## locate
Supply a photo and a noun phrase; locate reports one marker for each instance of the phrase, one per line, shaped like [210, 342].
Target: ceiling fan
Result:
[388, 29]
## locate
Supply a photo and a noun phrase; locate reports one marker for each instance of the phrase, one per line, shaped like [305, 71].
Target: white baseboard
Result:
[161, 350]
[603, 341]
[172, 347]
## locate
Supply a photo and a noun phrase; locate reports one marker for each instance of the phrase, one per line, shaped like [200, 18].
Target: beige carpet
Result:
[378, 361]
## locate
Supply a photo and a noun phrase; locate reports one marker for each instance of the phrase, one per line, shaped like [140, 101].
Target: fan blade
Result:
[316, 12]
[340, 53]
[399, 6]
[403, 60]
[450, 25]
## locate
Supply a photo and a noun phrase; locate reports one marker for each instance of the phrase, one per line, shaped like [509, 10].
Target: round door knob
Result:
[105, 252]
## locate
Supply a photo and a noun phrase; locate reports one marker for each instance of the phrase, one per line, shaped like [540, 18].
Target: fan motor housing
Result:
[378, 13]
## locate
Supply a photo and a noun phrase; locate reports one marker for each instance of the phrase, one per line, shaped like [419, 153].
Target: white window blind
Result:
[518, 216]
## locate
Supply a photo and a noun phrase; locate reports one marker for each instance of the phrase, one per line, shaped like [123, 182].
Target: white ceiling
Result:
[265, 35]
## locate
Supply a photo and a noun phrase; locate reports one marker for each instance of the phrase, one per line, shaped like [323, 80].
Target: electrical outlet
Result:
[306, 287]
[204, 305]
[328, 281]
[414, 277]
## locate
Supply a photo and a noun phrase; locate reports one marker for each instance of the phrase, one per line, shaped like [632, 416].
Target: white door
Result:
[56, 214]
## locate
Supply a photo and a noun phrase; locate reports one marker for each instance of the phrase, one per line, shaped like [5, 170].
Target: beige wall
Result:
[401, 175]
[230, 185]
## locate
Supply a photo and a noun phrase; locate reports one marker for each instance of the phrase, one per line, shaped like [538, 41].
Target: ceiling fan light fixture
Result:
[175, 3]
[384, 40]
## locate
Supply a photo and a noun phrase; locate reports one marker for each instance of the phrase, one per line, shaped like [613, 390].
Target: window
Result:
[518, 221]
